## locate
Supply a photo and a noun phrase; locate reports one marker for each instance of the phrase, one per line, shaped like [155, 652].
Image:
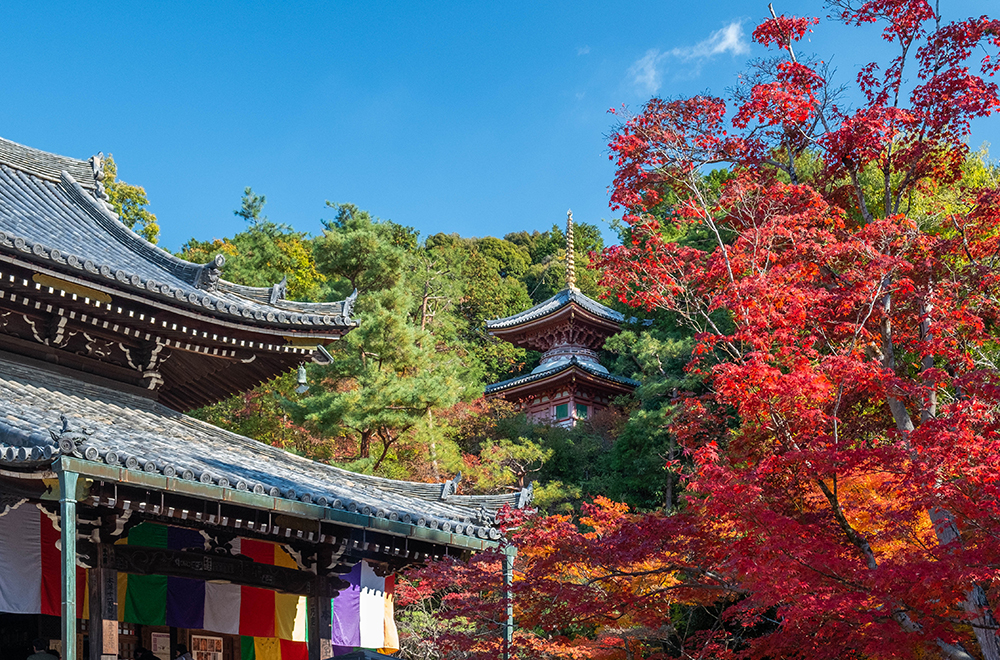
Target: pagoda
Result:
[171, 530]
[569, 329]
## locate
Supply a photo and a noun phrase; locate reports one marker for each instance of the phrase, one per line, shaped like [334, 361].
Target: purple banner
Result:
[347, 612]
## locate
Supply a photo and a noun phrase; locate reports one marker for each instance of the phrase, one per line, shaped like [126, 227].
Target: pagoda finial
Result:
[570, 259]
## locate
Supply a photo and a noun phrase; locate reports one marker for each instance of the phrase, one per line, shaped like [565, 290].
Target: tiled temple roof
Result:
[553, 304]
[47, 413]
[51, 211]
[560, 367]
[46, 166]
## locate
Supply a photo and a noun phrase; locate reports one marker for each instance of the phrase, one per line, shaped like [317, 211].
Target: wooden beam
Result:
[205, 566]
[103, 585]
[319, 612]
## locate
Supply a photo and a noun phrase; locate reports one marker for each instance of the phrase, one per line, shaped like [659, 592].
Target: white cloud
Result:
[583, 50]
[729, 39]
[647, 72]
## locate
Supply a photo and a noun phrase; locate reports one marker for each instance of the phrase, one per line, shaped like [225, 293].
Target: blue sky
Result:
[476, 118]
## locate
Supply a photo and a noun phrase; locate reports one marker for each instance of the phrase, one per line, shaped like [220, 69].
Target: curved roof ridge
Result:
[346, 306]
[48, 214]
[186, 271]
[418, 489]
[74, 176]
[555, 303]
[46, 165]
[219, 302]
[261, 294]
[267, 295]
[558, 368]
[182, 269]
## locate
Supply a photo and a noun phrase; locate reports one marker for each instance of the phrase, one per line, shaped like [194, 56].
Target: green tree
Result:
[263, 254]
[385, 377]
[637, 471]
[546, 274]
[129, 202]
[361, 253]
[506, 257]
[490, 295]
[259, 414]
[541, 245]
[437, 282]
[388, 376]
[252, 207]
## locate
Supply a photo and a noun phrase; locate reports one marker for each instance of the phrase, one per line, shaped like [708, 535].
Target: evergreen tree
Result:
[263, 254]
[388, 375]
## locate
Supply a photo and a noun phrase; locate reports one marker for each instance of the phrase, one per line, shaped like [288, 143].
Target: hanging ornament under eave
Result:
[303, 382]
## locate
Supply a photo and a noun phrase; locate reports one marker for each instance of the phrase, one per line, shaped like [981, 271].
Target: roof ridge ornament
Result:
[450, 487]
[279, 290]
[526, 496]
[570, 256]
[97, 165]
[208, 275]
[71, 436]
[349, 304]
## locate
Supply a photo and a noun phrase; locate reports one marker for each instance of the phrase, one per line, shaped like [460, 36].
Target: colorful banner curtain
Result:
[269, 648]
[271, 625]
[30, 564]
[363, 613]
[251, 612]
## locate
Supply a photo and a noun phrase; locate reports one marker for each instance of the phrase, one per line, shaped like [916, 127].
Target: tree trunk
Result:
[976, 604]
[387, 441]
[433, 448]
[423, 305]
[983, 622]
[668, 498]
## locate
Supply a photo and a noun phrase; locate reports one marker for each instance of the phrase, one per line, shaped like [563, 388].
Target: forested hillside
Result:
[403, 396]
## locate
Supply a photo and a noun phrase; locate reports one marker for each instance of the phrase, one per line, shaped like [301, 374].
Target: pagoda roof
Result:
[561, 300]
[49, 413]
[559, 371]
[52, 212]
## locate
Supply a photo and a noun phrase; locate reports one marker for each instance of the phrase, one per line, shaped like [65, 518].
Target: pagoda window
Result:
[562, 411]
[581, 411]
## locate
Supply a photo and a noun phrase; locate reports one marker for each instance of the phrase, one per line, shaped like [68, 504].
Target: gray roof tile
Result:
[43, 165]
[50, 215]
[44, 410]
[559, 367]
[554, 304]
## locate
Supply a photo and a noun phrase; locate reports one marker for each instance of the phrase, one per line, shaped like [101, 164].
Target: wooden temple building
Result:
[178, 532]
[569, 329]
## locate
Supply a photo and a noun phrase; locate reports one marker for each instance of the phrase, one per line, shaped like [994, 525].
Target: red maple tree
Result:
[843, 468]
[603, 585]
[846, 325]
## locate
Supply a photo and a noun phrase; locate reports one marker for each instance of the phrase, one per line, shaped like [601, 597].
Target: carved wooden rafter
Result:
[221, 522]
[544, 338]
[123, 337]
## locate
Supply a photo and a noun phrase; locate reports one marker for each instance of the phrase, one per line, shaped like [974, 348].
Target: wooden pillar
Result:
[67, 521]
[103, 586]
[319, 618]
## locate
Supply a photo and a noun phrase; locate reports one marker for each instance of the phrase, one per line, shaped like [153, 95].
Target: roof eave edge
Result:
[310, 511]
[136, 243]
